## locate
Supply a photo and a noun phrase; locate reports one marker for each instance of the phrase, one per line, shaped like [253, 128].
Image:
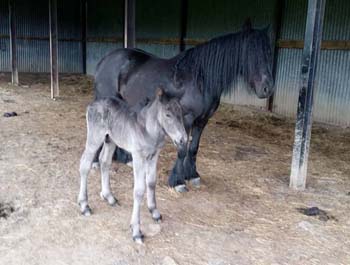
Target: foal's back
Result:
[113, 117]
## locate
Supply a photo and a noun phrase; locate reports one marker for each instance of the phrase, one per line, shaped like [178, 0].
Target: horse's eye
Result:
[168, 115]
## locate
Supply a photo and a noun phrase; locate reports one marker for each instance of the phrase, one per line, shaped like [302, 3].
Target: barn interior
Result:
[244, 211]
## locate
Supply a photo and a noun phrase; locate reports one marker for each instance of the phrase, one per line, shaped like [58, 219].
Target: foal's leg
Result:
[139, 168]
[105, 164]
[92, 145]
[151, 179]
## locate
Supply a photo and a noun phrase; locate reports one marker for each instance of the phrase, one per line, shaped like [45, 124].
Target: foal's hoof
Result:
[112, 201]
[196, 182]
[86, 211]
[181, 188]
[156, 216]
[158, 219]
[139, 239]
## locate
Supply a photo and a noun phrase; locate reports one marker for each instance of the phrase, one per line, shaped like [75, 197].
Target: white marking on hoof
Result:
[156, 216]
[86, 211]
[138, 239]
[109, 198]
[196, 182]
[129, 164]
[181, 188]
[95, 165]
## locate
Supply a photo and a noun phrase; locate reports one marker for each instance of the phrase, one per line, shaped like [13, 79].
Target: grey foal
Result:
[111, 122]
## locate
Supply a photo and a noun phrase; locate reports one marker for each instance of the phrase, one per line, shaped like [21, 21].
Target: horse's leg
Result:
[177, 178]
[86, 160]
[151, 181]
[190, 169]
[139, 189]
[122, 156]
[105, 164]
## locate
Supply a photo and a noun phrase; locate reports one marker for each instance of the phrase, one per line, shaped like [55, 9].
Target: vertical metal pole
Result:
[129, 24]
[84, 8]
[313, 37]
[13, 43]
[279, 10]
[183, 24]
[53, 48]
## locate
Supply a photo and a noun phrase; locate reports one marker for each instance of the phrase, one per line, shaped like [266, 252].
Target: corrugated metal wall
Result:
[105, 20]
[32, 24]
[332, 94]
[159, 20]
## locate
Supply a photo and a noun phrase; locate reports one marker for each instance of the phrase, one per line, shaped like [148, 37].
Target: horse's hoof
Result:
[196, 182]
[95, 165]
[110, 199]
[86, 211]
[181, 188]
[129, 164]
[139, 239]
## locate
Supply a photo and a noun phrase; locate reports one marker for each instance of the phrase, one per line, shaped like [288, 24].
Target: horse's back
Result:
[115, 67]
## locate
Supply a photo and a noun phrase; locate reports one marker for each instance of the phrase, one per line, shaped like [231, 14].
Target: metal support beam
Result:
[278, 14]
[129, 24]
[53, 48]
[183, 24]
[312, 45]
[13, 43]
[84, 8]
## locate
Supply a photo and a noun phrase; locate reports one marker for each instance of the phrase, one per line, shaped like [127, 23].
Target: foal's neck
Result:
[148, 118]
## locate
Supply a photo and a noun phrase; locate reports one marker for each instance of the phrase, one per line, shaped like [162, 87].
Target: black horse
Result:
[197, 76]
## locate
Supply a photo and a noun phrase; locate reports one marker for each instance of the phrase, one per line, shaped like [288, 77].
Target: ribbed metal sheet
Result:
[332, 93]
[32, 22]
[96, 51]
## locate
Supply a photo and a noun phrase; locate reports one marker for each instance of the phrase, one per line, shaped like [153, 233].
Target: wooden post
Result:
[129, 24]
[278, 14]
[53, 48]
[312, 44]
[13, 43]
[183, 24]
[83, 6]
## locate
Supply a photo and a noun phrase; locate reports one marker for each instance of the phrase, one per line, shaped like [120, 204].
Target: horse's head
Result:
[170, 117]
[258, 56]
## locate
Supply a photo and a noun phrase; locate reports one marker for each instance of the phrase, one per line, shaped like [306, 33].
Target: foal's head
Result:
[170, 118]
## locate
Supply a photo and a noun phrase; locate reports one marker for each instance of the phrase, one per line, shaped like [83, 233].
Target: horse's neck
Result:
[148, 120]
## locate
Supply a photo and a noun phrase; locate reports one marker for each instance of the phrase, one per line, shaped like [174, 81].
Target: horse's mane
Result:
[218, 63]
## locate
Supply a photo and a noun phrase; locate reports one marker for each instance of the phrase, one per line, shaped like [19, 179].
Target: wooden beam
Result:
[129, 24]
[312, 45]
[326, 44]
[53, 48]
[13, 43]
[83, 10]
[291, 44]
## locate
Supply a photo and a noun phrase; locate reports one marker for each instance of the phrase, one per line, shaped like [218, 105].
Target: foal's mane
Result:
[217, 64]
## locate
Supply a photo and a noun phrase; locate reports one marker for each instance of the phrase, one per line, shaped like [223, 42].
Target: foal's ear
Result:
[247, 26]
[159, 92]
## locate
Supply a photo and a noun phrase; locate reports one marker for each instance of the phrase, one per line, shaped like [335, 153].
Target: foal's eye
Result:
[168, 115]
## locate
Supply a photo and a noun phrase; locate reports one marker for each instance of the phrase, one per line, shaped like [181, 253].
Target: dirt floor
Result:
[243, 213]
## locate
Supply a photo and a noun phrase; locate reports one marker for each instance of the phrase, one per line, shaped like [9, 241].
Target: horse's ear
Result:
[247, 26]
